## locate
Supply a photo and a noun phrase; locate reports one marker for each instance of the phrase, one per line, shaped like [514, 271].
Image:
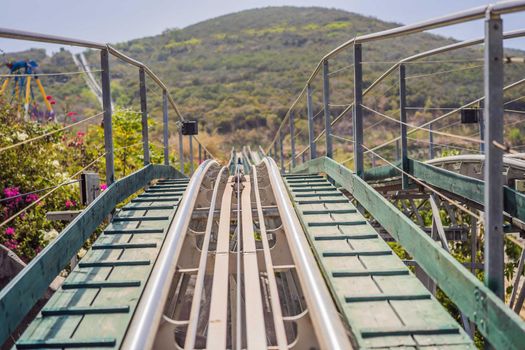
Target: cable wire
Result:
[50, 133]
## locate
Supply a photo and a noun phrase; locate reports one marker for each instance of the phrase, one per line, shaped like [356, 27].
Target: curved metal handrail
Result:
[142, 330]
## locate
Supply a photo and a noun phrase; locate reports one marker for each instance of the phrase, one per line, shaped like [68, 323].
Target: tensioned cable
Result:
[7, 199]
[514, 100]
[342, 138]
[340, 69]
[442, 72]
[50, 133]
[423, 62]
[443, 145]
[36, 75]
[451, 201]
[17, 214]
[464, 138]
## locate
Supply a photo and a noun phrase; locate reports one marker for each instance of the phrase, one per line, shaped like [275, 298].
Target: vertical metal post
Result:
[493, 81]
[191, 153]
[403, 120]
[275, 145]
[144, 110]
[358, 112]
[473, 243]
[200, 153]
[310, 112]
[327, 117]
[165, 127]
[430, 142]
[108, 128]
[281, 149]
[303, 157]
[181, 151]
[482, 133]
[292, 138]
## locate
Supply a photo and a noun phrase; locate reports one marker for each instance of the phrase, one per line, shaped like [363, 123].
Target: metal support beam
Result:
[108, 128]
[430, 142]
[482, 132]
[165, 127]
[326, 103]
[200, 153]
[181, 151]
[292, 138]
[403, 120]
[358, 112]
[493, 81]
[310, 111]
[281, 150]
[144, 110]
[190, 137]
[275, 145]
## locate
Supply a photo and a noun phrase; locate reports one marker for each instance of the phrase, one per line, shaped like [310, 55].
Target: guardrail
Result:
[105, 51]
[492, 137]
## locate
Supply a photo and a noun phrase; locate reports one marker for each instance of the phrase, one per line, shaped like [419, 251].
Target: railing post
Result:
[181, 150]
[327, 117]
[191, 153]
[275, 145]
[165, 127]
[292, 138]
[281, 149]
[493, 82]
[358, 112]
[310, 112]
[430, 142]
[403, 120]
[108, 128]
[200, 153]
[144, 110]
[482, 133]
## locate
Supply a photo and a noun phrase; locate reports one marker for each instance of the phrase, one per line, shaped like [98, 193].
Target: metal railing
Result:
[105, 51]
[491, 137]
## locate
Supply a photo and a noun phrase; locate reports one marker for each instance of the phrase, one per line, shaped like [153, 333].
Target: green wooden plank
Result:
[110, 263]
[66, 343]
[133, 231]
[467, 187]
[19, 296]
[123, 245]
[503, 328]
[385, 297]
[99, 284]
[65, 311]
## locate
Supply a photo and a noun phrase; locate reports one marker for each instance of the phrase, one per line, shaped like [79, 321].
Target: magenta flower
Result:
[70, 203]
[30, 198]
[11, 191]
[11, 244]
[103, 187]
[10, 231]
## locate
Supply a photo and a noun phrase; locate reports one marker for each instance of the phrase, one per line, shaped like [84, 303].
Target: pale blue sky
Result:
[121, 20]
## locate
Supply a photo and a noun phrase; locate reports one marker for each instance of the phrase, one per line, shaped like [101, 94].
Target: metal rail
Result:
[142, 330]
[459, 17]
[53, 39]
[330, 332]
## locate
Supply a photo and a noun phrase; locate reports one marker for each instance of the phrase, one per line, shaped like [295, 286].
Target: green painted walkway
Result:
[383, 302]
[103, 290]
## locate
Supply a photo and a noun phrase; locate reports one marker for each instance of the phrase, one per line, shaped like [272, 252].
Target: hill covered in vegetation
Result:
[240, 72]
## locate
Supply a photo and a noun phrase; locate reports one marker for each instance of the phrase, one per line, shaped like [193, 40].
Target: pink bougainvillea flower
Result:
[80, 134]
[70, 203]
[10, 231]
[30, 198]
[11, 191]
[11, 244]
[103, 187]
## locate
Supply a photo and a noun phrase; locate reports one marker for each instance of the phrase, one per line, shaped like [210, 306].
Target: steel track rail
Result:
[142, 331]
[329, 329]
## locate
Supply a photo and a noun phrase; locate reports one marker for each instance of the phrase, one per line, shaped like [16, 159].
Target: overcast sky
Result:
[121, 20]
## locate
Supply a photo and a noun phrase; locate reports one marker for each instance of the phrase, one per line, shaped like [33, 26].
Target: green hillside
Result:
[240, 72]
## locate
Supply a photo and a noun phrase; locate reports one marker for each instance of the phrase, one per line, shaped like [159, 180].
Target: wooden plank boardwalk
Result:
[384, 304]
[94, 306]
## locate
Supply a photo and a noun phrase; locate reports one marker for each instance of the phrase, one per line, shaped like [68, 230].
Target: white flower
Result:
[22, 136]
[81, 253]
[55, 163]
[50, 235]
